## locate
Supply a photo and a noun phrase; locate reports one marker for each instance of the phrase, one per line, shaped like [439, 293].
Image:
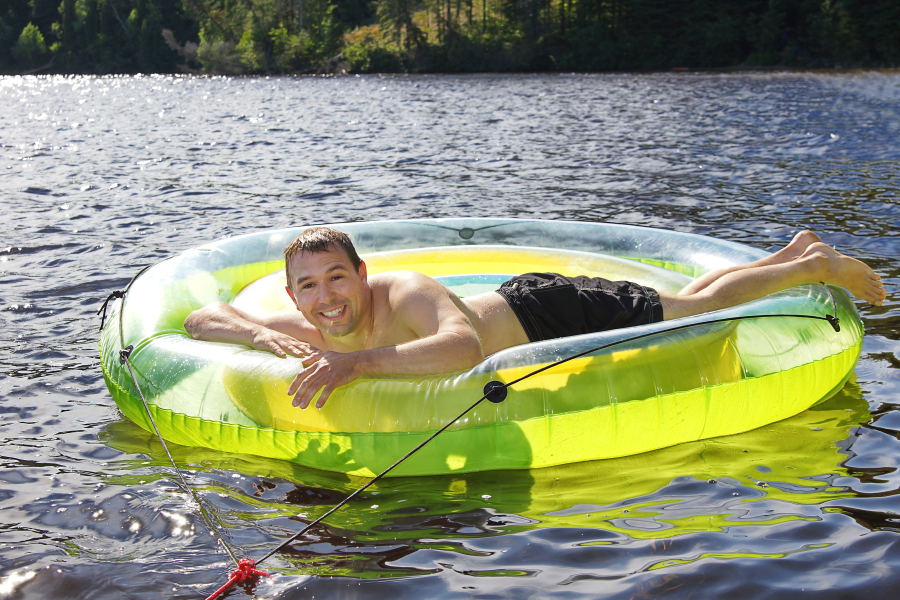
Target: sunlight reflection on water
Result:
[102, 176]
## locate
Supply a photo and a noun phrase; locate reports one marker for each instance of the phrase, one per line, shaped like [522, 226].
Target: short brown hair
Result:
[319, 239]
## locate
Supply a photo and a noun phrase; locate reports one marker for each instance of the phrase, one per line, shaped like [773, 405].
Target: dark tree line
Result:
[284, 36]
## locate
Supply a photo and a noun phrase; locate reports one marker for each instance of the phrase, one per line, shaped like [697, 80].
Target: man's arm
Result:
[278, 333]
[447, 342]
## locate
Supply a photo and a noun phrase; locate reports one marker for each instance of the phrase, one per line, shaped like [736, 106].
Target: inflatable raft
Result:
[716, 374]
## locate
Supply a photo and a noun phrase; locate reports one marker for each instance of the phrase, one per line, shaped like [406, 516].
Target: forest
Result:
[236, 37]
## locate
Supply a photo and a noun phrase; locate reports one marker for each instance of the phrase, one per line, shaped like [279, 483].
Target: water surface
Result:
[102, 176]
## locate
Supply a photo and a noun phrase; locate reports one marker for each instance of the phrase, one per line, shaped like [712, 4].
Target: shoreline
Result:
[38, 72]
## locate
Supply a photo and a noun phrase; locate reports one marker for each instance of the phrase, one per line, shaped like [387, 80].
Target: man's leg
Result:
[816, 263]
[792, 251]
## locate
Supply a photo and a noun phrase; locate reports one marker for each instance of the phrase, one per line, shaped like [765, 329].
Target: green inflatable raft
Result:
[684, 380]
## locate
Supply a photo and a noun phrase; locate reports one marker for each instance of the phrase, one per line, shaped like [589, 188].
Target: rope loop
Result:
[115, 294]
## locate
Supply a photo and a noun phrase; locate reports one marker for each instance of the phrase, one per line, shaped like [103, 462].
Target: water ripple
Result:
[104, 175]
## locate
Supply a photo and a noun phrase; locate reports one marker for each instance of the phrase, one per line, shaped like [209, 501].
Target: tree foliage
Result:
[288, 36]
[30, 46]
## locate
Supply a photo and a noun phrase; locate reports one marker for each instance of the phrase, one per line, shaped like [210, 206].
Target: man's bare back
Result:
[348, 325]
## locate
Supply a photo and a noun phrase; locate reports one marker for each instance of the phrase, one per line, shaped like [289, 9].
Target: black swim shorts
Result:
[552, 306]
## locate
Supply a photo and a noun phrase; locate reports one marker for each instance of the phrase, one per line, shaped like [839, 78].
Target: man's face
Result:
[330, 293]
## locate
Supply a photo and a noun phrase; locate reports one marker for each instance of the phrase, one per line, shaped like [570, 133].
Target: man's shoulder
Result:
[402, 281]
[407, 290]
[413, 300]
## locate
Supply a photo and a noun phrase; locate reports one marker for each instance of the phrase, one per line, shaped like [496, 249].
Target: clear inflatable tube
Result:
[704, 380]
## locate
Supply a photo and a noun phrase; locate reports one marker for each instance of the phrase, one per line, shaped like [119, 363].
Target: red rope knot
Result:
[246, 570]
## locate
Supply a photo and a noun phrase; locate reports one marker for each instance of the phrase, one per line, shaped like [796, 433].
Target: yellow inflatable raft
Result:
[702, 380]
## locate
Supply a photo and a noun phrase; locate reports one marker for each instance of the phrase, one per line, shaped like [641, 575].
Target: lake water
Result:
[102, 176]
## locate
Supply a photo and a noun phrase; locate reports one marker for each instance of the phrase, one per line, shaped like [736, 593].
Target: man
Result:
[349, 325]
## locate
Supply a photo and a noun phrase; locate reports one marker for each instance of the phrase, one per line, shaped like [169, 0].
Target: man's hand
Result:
[325, 371]
[280, 344]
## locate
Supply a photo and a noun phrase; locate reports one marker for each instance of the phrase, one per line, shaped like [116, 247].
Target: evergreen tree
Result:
[14, 16]
[7, 38]
[353, 13]
[67, 33]
[91, 24]
[43, 13]
[30, 46]
[277, 36]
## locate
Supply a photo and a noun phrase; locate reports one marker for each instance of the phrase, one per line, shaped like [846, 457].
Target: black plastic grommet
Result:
[466, 233]
[124, 353]
[835, 323]
[495, 391]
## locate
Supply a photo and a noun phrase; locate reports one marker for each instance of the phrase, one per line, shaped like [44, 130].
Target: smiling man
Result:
[348, 324]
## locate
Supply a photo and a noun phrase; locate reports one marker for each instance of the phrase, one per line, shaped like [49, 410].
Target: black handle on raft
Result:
[495, 391]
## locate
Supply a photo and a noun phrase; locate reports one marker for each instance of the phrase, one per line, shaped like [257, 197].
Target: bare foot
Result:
[849, 273]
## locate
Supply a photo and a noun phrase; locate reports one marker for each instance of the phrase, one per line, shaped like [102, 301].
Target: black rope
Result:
[125, 359]
[491, 389]
[115, 294]
[118, 294]
[495, 391]
[124, 356]
[664, 331]
[832, 319]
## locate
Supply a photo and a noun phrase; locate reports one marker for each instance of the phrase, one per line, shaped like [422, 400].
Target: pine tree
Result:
[30, 46]
[67, 35]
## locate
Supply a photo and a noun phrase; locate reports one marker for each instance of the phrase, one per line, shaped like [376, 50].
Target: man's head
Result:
[319, 239]
[327, 281]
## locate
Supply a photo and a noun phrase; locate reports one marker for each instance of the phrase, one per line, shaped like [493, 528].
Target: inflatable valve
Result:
[495, 391]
